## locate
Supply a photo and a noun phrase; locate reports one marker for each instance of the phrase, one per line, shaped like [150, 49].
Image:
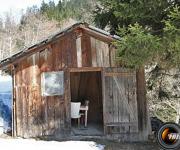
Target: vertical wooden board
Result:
[93, 52]
[73, 51]
[26, 77]
[20, 111]
[115, 105]
[57, 53]
[67, 99]
[24, 99]
[62, 119]
[64, 53]
[79, 51]
[37, 89]
[18, 101]
[50, 99]
[125, 115]
[57, 112]
[112, 57]
[23, 125]
[99, 55]
[17, 113]
[142, 102]
[34, 97]
[133, 103]
[86, 51]
[50, 113]
[57, 99]
[109, 99]
[106, 55]
[68, 49]
[115, 101]
[14, 124]
[44, 115]
[32, 100]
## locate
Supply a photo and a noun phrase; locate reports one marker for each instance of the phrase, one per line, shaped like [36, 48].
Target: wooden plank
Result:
[57, 53]
[64, 52]
[93, 52]
[104, 102]
[14, 123]
[79, 52]
[73, 51]
[115, 105]
[18, 101]
[37, 88]
[124, 74]
[58, 100]
[31, 99]
[120, 123]
[86, 51]
[106, 55]
[68, 49]
[85, 69]
[112, 58]
[44, 114]
[143, 122]
[125, 114]
[133, 103]
[67, 100]
[50, 99]
[99, 55]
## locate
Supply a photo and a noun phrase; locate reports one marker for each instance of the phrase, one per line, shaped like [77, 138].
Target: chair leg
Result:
[78, 122]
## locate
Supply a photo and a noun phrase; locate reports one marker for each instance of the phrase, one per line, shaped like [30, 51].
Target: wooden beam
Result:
[125, 74]
[85, 69]
[143, 121]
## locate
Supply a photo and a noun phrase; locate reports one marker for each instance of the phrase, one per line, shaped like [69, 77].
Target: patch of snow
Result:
[30, 144]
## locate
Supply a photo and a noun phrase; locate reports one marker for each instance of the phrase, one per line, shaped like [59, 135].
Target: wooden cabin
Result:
[74, 65]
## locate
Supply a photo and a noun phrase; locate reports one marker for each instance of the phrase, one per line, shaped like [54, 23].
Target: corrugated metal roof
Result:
[55, 36]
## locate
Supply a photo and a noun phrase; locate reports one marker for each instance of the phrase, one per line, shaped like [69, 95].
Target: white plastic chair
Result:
[75, 111]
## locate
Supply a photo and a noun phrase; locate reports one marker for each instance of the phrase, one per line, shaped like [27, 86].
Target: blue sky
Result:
[16, 6]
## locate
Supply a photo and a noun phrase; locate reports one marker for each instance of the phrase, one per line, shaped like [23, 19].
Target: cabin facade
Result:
[75, 65]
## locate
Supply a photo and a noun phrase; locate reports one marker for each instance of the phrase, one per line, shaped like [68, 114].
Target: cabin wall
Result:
[37, 115]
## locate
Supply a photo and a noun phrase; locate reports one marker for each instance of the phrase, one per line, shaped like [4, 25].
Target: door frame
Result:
[91, 69]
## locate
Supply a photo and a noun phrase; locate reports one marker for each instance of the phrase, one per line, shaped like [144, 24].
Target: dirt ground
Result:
[131, 146]
[110, 145]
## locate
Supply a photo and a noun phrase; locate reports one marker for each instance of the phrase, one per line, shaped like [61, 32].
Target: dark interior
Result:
[88, 86]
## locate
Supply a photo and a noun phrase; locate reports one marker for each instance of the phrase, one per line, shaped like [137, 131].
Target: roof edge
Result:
[11, 58]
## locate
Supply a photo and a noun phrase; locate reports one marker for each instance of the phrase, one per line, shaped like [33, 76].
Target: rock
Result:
[156, 124]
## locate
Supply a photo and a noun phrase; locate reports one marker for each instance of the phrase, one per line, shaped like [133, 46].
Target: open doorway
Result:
[87, 86]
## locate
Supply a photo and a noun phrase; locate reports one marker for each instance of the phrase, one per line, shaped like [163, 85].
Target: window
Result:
[52, 83]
